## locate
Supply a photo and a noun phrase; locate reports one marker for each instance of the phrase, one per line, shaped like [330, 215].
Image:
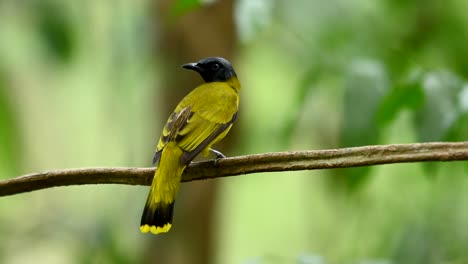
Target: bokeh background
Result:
[90, 83]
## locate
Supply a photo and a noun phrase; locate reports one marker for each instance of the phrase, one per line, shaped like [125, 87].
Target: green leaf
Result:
[408, 94]
[55, 30]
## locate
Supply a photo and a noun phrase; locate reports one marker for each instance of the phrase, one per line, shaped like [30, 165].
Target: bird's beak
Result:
[192, 66]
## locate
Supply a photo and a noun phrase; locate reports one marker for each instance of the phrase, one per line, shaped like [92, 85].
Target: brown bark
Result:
[268, 162]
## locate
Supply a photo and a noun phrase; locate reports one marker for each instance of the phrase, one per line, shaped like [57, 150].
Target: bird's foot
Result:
[218, 155]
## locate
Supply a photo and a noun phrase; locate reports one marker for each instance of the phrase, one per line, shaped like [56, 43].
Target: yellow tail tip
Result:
[155, 229]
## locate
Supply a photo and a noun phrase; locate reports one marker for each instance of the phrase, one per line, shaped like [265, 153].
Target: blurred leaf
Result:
[103, 245]
[366, 84]
[459, 129]
[180, 7]
[418, 244]
[251, 17]
[439, 111]
[9, 147]
[55, 29]
[463, 99]
[437, 119]
[407, 94]
[311, 76]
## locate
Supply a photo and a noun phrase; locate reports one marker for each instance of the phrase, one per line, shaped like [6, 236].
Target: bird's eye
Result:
[215, 67]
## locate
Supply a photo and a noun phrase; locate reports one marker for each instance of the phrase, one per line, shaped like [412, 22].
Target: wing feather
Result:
[194, 125]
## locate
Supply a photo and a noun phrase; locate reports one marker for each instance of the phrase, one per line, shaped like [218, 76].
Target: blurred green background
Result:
[90, 83]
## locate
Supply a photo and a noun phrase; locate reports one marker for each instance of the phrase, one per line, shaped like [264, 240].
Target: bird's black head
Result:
[213, 69]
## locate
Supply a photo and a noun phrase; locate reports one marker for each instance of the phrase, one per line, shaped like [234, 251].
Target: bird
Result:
[202, 118]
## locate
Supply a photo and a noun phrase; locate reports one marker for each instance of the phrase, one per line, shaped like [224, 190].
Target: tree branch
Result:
[269, 162]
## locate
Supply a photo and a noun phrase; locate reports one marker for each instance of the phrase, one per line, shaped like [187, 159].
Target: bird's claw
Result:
[218, 155]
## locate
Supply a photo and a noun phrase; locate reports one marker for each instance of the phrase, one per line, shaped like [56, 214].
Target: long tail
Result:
[157, 214]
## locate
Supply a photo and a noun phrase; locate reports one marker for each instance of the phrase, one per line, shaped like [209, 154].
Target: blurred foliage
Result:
[375, 93]
[78, 86]
[9, 135]
[365, 87]
[406, 94]
[440, 108]
[55, 29]
[181, 7]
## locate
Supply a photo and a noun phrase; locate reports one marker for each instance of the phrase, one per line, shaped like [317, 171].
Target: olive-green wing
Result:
[176, 122]
[191, 131]
[199, 119]
[198, 134]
